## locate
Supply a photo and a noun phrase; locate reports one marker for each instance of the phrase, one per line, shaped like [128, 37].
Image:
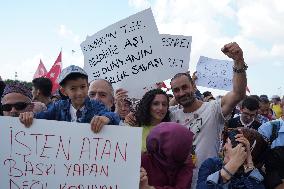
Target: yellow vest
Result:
[278, 110]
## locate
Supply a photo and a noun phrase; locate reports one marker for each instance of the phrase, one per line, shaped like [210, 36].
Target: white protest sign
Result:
[214, 73]
[176, 49]
[176, 55]
[127, 53]
[154, 86]
[64, 155]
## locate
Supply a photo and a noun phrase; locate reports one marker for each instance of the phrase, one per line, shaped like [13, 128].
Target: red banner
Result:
[54, 72]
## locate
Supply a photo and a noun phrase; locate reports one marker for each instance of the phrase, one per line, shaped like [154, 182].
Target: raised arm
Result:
[231, 99]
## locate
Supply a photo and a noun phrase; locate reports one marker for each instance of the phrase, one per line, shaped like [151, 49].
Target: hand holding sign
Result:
[26, 118]
[98, 122]
[194, 77]
[143, 179]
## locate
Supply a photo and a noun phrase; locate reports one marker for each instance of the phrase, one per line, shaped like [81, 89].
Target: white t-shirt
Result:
[73, 113]
[206, 123]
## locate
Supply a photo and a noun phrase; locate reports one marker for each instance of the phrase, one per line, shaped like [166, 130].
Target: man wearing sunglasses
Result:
[16, 99]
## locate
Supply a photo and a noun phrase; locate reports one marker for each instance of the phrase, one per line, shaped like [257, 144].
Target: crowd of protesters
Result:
[190, 140]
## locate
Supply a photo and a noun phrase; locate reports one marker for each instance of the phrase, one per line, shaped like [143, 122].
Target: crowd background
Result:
[190, 139]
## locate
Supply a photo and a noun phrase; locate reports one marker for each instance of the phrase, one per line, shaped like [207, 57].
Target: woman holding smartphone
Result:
[241, 163]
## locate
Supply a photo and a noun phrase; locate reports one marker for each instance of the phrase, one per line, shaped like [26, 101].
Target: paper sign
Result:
[214, 73]
[176, 56]
[64, 155]
[176, 49]
[127, 53]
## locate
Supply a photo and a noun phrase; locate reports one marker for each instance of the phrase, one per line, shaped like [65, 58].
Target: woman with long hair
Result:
[152, 109]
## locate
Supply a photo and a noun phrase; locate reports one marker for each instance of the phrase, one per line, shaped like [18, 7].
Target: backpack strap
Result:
[275, 128]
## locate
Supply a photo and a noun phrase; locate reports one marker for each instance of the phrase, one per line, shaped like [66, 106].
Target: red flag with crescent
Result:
[54, 72]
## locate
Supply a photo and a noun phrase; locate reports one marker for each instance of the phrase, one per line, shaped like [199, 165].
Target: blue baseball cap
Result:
[70, 70]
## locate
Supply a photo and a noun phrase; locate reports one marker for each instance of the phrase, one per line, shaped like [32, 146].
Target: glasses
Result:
[248, 114]
[18, 106]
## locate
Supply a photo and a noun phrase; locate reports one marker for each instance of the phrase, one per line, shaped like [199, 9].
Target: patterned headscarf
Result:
[17, 87]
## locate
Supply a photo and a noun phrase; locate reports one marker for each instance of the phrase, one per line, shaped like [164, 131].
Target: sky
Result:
[33, 30]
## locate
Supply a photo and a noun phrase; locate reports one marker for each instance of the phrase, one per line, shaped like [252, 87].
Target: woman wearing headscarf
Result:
[240, 168]
[167, 163]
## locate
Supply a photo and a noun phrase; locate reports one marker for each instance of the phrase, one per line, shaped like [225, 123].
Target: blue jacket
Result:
[60, 111]
[209, 177]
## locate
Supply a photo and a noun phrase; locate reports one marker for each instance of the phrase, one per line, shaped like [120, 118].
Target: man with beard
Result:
[206, 119]
[16, 99]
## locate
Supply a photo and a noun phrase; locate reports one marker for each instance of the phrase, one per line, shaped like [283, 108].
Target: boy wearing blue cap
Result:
[78, 108]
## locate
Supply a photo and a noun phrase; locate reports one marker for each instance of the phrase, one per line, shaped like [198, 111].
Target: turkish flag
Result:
[54, 72]
[41, 71]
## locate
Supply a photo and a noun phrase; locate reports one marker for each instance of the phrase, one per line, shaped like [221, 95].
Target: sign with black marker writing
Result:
[176, 50]
[175, 55]
[214, 73]
[127, 53]
[64, 155]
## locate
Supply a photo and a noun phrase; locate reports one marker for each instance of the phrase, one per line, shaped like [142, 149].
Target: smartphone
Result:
[232, 134]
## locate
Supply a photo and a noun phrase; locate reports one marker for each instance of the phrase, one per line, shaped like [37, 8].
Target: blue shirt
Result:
[209, 177]
[262, 119]
[266, 131]
[49, 104]
[60, 111]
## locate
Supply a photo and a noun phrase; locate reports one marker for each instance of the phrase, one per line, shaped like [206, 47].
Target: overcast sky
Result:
[31, 30]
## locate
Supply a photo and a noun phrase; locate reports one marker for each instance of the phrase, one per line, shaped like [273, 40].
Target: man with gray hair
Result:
[102, 90]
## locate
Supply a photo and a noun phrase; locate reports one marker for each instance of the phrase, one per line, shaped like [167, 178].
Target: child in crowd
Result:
[78, 108]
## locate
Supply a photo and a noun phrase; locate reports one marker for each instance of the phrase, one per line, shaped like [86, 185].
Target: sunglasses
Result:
[18, 106]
